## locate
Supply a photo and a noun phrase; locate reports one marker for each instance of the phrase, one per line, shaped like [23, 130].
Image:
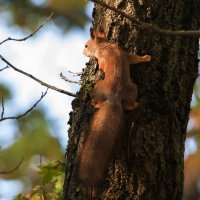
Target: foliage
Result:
[34, 144]
[33, 140]
[27, 13]
[4, 92]
[52, 177]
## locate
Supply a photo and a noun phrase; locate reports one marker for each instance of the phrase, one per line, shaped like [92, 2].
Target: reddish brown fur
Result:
[111, 96]
[100, 143]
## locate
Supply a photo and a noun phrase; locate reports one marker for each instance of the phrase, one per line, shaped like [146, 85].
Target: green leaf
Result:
[51, 170]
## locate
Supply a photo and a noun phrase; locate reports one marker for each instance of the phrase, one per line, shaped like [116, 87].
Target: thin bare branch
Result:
[2, 105]
[67, 80]
[43, 189]
[26, 112]
[4, 68]
[75, 73]
[29, 36]
[36, 79]
[14, 169]
[149, 26]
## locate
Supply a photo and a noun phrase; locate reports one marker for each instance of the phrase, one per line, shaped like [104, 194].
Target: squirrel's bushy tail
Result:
[106, 127]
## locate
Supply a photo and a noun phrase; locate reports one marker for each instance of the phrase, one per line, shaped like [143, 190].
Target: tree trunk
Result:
[149, 164]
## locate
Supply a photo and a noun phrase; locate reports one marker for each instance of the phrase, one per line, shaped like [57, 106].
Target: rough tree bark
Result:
[150, 163]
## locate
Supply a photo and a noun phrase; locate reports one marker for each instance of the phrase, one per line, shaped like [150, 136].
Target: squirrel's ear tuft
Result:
[100, 33]
[92, 34]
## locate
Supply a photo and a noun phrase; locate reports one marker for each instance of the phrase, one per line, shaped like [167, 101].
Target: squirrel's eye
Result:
[86, 46]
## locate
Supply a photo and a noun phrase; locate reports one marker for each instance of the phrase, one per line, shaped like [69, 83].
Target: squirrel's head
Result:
[91, 46]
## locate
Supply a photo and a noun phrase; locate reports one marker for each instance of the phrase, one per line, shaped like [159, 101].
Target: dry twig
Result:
[27, 74]
[67, 80]
[36, 79]
[25, 113]
[4, 68]
[2, 104]
[29, 36]
[75, 73]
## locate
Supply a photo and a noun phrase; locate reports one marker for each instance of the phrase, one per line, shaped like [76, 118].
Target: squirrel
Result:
[111, 96]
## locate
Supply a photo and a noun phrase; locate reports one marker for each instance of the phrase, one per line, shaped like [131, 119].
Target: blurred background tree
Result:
[33, 135]
[27, 13]
[192, 157]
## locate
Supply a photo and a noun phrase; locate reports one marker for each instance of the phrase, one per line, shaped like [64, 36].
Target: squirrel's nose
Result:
[86, 46]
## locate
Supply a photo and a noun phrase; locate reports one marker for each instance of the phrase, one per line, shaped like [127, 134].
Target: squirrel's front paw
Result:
[147, 58]
[96, 104]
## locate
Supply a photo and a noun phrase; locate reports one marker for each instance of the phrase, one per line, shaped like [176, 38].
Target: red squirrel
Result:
[111, 96]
